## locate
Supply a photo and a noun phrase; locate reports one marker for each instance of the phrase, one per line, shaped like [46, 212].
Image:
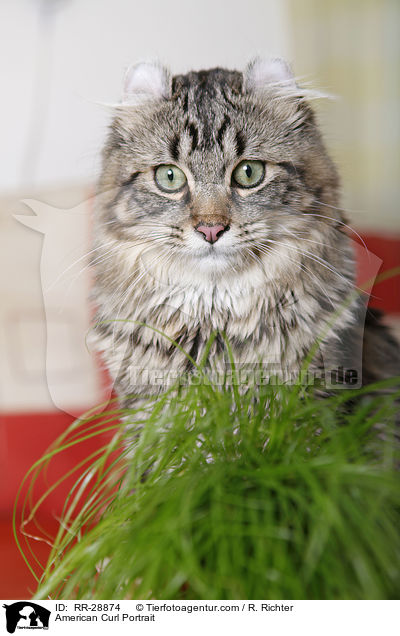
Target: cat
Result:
[219, 212]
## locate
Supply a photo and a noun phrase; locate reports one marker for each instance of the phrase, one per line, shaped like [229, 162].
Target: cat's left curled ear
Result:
[146, 81]
[261, 73]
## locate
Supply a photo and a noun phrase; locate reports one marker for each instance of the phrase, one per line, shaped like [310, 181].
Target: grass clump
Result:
[267, 494]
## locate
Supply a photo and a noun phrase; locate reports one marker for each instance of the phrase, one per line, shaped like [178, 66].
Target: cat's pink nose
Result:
[212, 233]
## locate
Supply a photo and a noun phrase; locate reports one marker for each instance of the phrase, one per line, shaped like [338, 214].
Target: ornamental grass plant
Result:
[219, 493]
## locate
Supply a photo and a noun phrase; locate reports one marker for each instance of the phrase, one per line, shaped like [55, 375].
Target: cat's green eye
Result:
[170, 178]
[248, 174]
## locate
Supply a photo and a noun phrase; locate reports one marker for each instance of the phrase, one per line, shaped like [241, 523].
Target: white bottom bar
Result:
[310, 618]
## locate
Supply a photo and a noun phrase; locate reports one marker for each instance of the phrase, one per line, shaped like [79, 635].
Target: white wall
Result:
[54, 66]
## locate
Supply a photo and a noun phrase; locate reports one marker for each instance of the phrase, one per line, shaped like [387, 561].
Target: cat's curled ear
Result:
[274, 78]
[262, 73]
[146, 81]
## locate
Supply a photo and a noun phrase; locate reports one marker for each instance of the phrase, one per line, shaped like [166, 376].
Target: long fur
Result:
[282, 276]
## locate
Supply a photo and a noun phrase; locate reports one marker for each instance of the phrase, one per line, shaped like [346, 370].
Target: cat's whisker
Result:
[312, 257]
[267, 240]
[298, 237]
[344, 225]
[102, 258]
[121, 285]
[256, 258]
[340, 209]
[90, 263]
[56, 280]
[135, 225]
[169, 256]
[337, 221]
[136, 272]
[302, 266]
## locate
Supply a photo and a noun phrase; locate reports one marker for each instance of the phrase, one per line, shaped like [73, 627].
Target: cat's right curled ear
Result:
[146, 81]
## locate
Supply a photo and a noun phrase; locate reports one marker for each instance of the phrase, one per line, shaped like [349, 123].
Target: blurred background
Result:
[60, 60]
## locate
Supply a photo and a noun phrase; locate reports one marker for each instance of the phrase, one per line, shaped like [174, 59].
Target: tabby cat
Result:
[218, 210]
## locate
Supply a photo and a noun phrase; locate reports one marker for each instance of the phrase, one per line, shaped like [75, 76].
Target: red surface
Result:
[17, 582]
[386, 294]
[25, 437]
